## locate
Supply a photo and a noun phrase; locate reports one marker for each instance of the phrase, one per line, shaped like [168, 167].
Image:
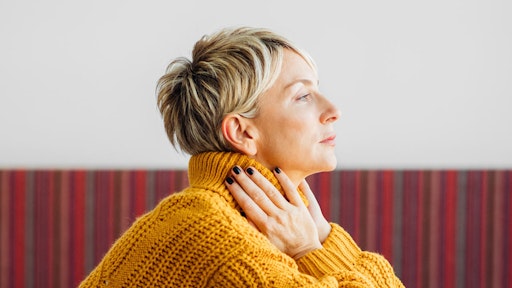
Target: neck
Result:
[295, 176]
[209, 171]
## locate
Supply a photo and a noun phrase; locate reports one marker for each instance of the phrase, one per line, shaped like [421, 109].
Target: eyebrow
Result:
[304, 81]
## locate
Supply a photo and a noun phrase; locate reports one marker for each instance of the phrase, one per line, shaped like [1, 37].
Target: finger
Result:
[252, 211]
[289, 189]
[304, 187]
[268, 188]
[258, 194]
[253, 225]
[323, 226]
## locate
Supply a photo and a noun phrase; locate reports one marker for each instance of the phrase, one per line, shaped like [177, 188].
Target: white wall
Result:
[420, 85]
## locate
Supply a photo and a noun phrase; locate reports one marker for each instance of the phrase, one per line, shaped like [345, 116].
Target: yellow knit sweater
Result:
[198, 238]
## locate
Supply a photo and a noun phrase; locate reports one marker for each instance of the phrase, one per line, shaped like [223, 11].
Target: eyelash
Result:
[304, 97]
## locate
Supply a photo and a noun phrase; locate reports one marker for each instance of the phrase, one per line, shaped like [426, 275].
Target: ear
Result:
[239, 133]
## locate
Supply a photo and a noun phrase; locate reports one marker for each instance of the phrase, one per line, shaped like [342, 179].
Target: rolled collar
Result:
[209, 171]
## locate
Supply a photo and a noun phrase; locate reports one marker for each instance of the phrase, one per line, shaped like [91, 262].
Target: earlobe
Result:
[238, 132]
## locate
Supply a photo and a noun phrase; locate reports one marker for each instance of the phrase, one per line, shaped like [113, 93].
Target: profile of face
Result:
[293, 129]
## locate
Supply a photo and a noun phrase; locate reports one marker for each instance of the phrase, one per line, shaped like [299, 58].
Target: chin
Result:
[327, 166]
[331, 162]
[331, 165]
[330, 168]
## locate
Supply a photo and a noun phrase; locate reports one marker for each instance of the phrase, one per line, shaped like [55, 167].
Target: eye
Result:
[304, 97]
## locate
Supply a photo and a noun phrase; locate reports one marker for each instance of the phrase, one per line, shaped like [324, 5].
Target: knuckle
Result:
[272, 194]
[259, 197]
[283, 218]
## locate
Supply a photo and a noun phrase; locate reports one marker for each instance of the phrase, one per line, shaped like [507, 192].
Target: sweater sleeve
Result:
[250, 266]
[219, 248]
[341, 263]
[340, 252]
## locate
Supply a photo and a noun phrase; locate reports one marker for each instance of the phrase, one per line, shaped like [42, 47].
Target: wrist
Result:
[306, 250]
[323, 231]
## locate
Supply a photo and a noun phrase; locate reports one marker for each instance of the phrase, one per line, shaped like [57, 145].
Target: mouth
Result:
[329, 140]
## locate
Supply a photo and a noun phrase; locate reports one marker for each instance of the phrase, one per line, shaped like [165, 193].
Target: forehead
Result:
[295, 71]
[295, 68]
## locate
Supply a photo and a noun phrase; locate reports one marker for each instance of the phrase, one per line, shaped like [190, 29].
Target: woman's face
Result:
[295, 122]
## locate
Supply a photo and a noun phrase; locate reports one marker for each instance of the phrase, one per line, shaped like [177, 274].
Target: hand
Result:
[323, 226]
[286, 223]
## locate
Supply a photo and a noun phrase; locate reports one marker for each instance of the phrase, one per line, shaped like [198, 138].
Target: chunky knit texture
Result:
[198, 238]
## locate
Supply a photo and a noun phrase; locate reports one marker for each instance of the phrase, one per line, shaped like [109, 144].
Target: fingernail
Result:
[250, 171]
[278, 171]
[236, 170]
[229, 180]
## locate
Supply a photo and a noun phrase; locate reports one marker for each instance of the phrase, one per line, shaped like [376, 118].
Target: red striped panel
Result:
[43, 256]
[64, 267]
[387, 214]
[111, 236]
[497, 220]
[126, 202]
[18, 229]
[78, 226]
[5, 223]
[372, 212]
[323, 192]
[102, 188]
[50, 221]
[508, 225]
[357, 208]
[419, 227]
[409, 236]
[434, 257]
[363, 215]
[50, 212]
[473, 236]
[349, 202]
[483, 235]
[56, 243]
[140, 190]
[450, 222]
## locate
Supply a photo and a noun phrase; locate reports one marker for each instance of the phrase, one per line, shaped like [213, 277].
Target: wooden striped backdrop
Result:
[438, 228]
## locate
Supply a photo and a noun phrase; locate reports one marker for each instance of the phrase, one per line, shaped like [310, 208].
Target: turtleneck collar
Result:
[209, 171]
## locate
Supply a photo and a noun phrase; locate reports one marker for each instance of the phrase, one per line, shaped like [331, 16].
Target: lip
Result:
[330, 140]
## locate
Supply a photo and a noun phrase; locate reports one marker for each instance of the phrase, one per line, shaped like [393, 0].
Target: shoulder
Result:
[186, 235]
[196, 203]
[202, 214]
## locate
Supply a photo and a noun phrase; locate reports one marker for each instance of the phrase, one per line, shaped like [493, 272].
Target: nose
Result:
[330, 112]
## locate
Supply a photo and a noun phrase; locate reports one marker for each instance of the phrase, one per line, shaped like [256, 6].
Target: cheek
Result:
[298, 138]
[301, 130]
[288, 133]
[298, 124]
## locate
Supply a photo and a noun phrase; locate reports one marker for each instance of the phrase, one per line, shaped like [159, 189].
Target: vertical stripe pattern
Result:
[55, 226]
[438, 228]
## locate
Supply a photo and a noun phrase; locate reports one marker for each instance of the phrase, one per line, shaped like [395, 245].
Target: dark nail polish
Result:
[229, 180]
[278, 171]
[250, 171]
[236, 170]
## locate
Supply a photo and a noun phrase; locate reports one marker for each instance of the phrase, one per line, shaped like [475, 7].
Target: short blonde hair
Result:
[229, 70]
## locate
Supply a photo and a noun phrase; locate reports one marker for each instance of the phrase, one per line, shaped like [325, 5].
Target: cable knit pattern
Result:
[198, 238]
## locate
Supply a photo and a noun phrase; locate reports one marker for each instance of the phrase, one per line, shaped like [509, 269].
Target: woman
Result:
[248, 109]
